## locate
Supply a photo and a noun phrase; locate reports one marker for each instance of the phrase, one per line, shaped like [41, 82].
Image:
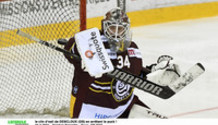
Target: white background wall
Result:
[51, 8]
[97, 8]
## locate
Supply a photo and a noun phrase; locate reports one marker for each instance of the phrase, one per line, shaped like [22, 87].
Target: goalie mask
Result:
[115, 27]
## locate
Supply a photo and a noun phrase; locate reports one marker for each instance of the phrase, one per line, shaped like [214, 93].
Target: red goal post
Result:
[83, 15]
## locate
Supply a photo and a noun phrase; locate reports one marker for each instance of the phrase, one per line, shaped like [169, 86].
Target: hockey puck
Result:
[89, 54]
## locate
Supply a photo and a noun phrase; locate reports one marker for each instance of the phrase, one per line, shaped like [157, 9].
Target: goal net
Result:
[35, 78]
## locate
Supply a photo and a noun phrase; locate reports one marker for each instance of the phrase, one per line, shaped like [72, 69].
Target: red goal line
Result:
[193, 112]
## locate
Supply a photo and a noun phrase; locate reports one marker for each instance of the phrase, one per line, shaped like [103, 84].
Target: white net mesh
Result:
[35, 78]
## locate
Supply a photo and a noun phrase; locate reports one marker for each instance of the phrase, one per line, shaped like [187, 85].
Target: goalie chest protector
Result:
[104, 97]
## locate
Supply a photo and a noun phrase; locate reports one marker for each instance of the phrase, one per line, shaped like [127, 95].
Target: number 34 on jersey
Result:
[123, 62]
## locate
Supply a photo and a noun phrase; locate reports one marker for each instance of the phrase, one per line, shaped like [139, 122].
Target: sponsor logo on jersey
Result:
[103, 116]
[133, 52]
[120, 90]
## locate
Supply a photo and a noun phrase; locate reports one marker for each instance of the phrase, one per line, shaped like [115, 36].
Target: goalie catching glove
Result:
[165, 71]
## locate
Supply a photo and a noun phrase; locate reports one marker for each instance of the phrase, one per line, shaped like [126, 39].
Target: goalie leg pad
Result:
[142, 112]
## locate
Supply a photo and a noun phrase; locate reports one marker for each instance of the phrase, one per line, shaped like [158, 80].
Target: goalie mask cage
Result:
[35, 78]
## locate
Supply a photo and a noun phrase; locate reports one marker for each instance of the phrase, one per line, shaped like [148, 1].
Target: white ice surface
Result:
[189, 42]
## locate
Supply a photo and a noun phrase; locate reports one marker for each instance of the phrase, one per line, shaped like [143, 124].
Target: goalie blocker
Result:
[164, 92]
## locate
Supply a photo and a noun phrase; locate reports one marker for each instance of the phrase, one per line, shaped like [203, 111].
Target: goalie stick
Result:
[163, 92]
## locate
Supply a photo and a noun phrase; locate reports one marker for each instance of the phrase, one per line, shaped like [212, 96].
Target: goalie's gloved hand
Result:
[163, 62]
[165, 71]
[166, 62]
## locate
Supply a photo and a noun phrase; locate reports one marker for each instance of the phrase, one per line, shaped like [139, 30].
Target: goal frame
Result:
[14, 47]
[82, 15]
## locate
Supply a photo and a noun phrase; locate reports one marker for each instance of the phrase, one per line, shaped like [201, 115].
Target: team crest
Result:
[121, 91]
